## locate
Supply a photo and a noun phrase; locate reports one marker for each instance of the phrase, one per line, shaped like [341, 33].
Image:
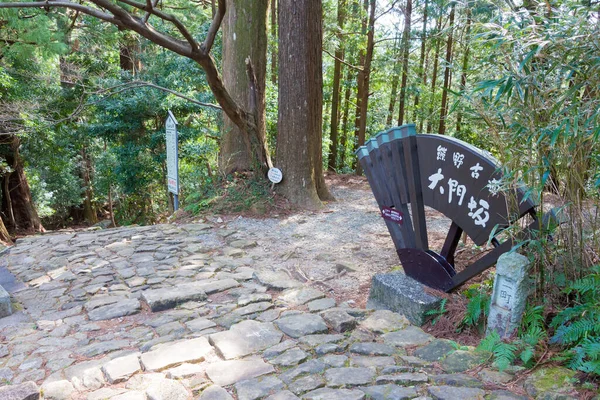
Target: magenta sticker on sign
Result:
[392, 215]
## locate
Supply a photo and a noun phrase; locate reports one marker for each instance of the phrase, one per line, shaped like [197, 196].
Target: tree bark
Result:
[244, 35]
[421, 71]
[364, 95]
[434, 76]
[89, 211]
[447, 74]
[345, 116]
[299, 137]
[274, 23]
[335, 98]
[4, 235]
[394, 89]
[25, 214]
[465, 65]
[406, 49]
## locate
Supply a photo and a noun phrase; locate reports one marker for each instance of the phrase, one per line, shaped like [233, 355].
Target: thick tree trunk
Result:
[25, 214]
[434, 77]
[335, 98]
[447, 74]
[364, 98]
[421, 71]
[406, 49]
[274, 23]
[244, 36]
[301, 103]
[465, 65]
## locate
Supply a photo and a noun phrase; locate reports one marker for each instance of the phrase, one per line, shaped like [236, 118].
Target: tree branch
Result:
[164, 16]
[214, 27]
[342, 61]
[66, 4]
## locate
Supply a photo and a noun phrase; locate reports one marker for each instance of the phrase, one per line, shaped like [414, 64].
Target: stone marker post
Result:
[511, 288]
[5, 305]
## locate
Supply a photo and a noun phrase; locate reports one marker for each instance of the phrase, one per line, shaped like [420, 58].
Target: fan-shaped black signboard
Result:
[450, 176]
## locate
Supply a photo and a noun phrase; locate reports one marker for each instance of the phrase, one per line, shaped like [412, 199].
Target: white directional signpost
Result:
[172, 159]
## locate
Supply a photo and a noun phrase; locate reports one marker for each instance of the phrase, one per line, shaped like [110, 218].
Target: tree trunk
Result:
[434, 76]
[447, 74]
[345, 116]
[364, 98]
[360, 77]
[301, 103]
[335, 99]
[25, 214]
[4, 235]
[421, 71]
[465, 65]
[244, 36]
[394, 90]
[274, 19]
[406, 48]
[89, 211]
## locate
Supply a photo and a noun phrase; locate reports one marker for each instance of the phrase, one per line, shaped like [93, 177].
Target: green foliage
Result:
[437, 313]
[238, 193]
[531, 335]
[478, 307]
[578, 327]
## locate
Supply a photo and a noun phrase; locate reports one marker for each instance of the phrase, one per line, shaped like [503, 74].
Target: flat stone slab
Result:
[167, 389]
[215, 392]
[278, 280]
[244, 338]
[117, 310]
[167, 298]
[226, 373]
[402, 294]
[321, 304]
[337, 377]
[193, 350]
[435, 350]
[334, 394]
[301, 296]
[122, 368]
[289, 358]
[23, 391]
[405, 378]
[389, 392]
[299, 325]
[453, 393]
[373, 349]
[384, 321]
[339, 320]
[257, 388]
[306, 384]
[5, 305]
[410, 336]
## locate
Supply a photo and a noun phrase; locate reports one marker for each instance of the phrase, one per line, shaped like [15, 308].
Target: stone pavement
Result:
[192, 311]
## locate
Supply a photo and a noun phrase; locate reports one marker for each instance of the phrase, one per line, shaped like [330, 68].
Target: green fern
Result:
[503, 353]
[437, 312]
[577, 328]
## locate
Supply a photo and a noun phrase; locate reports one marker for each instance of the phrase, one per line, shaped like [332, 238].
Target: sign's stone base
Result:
[402, 294]
[5, 305]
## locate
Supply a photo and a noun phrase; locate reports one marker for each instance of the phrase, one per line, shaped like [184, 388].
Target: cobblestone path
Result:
[199, 311]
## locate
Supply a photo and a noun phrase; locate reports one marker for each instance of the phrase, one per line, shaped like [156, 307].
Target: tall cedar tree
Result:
[299, 125]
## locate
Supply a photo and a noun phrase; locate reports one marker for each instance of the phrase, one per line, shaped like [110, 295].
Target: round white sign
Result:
[275, 175]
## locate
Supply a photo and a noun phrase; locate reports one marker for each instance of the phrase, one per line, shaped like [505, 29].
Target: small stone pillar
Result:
[509, 298]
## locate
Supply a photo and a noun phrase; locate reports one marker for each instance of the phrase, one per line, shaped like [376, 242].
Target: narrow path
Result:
[241, 308]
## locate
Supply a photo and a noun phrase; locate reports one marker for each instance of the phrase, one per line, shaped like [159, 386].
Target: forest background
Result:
[300, 85]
